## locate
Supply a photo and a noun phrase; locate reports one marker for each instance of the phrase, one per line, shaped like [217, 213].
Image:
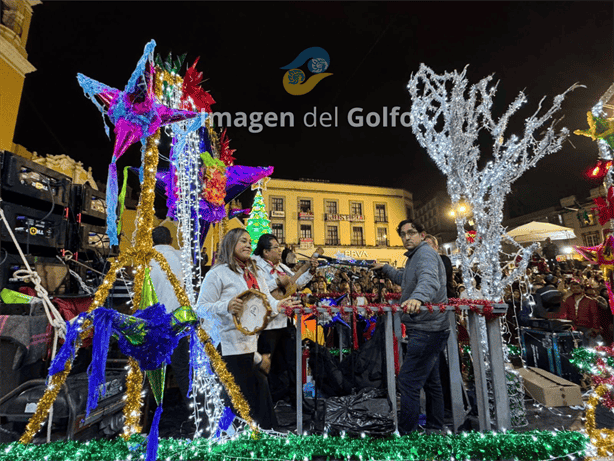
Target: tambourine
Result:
[255, 314]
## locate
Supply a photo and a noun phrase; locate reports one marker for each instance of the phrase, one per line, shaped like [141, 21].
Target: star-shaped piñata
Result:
[599, 128]
[135, 114]
[602, 255]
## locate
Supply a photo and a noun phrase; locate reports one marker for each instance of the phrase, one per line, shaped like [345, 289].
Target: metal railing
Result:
[494, 359]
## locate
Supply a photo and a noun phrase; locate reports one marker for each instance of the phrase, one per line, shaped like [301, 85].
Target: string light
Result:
[533, 445]
[447, 124]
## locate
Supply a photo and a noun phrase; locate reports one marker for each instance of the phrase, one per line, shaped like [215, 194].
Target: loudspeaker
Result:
[90, 203]
[551, 351]
[33, 227]
[40, 185]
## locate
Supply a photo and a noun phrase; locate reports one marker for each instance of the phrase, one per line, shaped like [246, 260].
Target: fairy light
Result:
[450, 137]
[535, 445]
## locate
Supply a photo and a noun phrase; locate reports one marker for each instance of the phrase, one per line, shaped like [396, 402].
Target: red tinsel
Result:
[478, 306]
[470, 236]
[191, 89]
[605, 207]
[605, 377]
[397, 368]
[226, 153]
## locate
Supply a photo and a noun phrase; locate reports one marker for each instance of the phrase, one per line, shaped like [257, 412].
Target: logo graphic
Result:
[294, 79]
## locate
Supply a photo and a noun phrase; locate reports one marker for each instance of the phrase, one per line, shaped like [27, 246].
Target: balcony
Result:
[382, 243]
[278, 214]
[358, 242]
[332, 242]
[381, 218]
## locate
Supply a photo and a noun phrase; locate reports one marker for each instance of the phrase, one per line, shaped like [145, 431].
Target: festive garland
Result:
[477, 306]
[532, 445]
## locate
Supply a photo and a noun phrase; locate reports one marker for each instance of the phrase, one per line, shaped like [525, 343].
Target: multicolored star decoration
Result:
[599, 128]
[136, 115]
[603, 256]
[148, 335]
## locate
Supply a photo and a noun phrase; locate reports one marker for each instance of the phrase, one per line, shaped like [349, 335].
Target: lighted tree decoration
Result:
[258, 222]
[447, 123]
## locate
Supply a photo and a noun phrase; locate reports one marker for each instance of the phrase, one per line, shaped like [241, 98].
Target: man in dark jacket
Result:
[422, 281]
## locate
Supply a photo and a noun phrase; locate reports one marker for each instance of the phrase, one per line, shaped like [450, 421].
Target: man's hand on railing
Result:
[411, 306]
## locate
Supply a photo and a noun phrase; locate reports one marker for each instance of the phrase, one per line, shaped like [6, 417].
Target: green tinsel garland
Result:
[527, 446]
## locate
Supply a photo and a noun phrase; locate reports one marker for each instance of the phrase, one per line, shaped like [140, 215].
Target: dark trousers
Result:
[420, 370]
[180, 363]
[254, 387]
[281, 344]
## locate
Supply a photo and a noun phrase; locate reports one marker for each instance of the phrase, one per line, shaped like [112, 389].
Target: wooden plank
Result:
[499, 381]
[390, 376]
[481, 389]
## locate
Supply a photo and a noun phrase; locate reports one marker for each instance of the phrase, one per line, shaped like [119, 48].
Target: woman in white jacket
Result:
[233, 273]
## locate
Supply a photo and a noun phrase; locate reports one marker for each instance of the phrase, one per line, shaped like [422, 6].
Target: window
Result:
[356, 208]
[357, 236]
[380, 212]
[331, 206]
[277, 204]
[277, 229]
[382, 236]
[332, 235]
[408, 212]
[304, 206]
[306, 231]
[591, 239]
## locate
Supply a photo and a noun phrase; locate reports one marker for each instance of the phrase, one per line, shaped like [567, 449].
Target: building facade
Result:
[435, 216]
[358, 222]
[15, 17]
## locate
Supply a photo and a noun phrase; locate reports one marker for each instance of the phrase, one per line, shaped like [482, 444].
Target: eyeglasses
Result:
[409, 233]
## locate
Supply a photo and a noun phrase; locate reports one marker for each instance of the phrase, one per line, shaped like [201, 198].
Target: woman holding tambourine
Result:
[223, 294]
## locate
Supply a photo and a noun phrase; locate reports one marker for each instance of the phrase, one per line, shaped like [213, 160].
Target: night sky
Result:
[540, 47]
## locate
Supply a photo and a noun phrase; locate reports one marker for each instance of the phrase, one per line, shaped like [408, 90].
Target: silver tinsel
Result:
[447, 114]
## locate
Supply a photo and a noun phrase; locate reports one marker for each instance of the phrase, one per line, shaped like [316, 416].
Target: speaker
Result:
[41, 185]
[34, 227]
[551, 351]
[90, 203]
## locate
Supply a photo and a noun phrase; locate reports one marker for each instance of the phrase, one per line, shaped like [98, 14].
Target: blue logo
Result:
[294, 80]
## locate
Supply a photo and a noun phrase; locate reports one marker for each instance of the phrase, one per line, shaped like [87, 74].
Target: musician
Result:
[277, 342]
[233, 273]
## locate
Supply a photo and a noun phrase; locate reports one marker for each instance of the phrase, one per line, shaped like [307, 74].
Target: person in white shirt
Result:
[277, 343]
[233, 273]
[180, 360]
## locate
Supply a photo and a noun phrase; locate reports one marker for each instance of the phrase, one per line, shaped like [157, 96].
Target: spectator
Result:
[551, 250]
[583, 312]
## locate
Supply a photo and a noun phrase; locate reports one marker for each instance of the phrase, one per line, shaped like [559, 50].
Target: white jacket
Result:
[221, 284]
[271, 279]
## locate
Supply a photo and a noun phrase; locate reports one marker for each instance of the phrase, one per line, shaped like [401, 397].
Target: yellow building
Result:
[15, 17]
[356, 221]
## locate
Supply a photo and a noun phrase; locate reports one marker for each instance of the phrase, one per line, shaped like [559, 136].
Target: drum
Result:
[256, 312]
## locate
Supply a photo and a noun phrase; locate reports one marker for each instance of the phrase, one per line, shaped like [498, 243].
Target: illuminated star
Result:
[135, 112]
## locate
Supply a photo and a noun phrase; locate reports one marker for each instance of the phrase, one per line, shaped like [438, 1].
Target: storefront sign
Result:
[305, 215]
[343, 217]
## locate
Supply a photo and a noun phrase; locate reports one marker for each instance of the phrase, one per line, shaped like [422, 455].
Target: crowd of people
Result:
[566, 290]
[263, 364]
